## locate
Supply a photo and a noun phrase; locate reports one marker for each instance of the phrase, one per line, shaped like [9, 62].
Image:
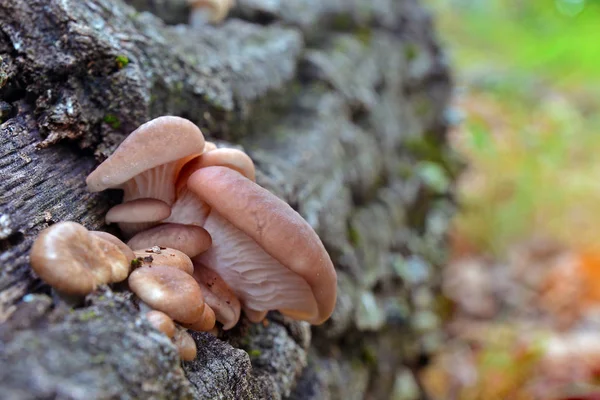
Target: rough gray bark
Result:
[341, 105]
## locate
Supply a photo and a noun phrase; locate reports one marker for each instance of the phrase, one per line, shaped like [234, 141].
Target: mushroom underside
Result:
[257, 279]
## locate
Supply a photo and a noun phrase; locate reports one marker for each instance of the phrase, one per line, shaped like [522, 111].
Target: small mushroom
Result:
[165, 257]
[116, 241]
[74, 261]
[206, 323]
[138, 210]
[161, 322]
[266, 252]
[169, 290]
[185, 345]
[208, 11]
[147, 162]
[218, 296]
[189, 239]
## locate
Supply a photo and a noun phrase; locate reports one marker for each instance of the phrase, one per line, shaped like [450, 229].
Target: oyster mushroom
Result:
[74, 261]
[147, 162]
[186, 346]
[218, 295]
[189, 239]
[138, 210]
[169, 290]
[165, 257]
[266, 252]
[161, 322]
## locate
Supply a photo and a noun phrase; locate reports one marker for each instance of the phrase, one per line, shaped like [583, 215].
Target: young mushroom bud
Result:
[161, 322]
[138, 211]
[165, 257]
[185, 345]
[169, 290]
[74, 261]
[206, 323]
[189, 239]
[205, 12]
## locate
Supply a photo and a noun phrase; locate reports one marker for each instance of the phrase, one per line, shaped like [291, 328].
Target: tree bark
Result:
[341, 105]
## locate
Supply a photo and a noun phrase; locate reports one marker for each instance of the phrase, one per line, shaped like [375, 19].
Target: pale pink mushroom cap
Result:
[147, 162]
[190, 240]
[265, 251]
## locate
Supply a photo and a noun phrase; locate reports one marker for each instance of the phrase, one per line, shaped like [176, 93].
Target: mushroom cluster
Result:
[205, 241]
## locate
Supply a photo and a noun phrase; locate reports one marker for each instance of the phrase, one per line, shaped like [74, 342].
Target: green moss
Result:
[88, 315]
[342, 22]
[353, 235]
[254, 353]
[410, 52]
[112, 120]
[122, 61]
[364, 35]
[98, 359]
[368, 356]
[136, 263]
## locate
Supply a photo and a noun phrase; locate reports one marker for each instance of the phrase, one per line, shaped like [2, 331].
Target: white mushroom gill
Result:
[188, 209]
[157, 183]
[257, 279]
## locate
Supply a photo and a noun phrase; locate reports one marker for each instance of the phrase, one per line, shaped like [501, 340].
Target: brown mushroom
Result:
[208, 11]
[169, 290]
[165, 257]
[186, 346]
[266, 252]
[161, 322]
[190, 240]
[218, 296]
[74, 261]
[204, 324]
[116, 241]
[147, 162]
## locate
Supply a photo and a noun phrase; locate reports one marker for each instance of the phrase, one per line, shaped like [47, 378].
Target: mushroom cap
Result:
[204, 324]
[218, 9]
[218, 295]
[167, 257]
[160, 141]
[209, 146]
[186, 346]
[116, 241]
[189, 239]
[74, 261]
[231, 158]
[169, 290]
[138, 210]
[279, 230]
[161, 322]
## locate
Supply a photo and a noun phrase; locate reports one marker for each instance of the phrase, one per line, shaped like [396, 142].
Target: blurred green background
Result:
[528, 79]
[523, 283]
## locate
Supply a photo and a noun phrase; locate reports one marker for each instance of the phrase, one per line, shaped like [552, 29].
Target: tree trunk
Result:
[340, 103]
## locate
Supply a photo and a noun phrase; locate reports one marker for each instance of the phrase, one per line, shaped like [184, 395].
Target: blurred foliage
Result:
[529, 87]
